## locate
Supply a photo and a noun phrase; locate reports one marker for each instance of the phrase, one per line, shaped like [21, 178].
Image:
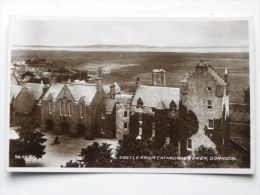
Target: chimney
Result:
[99, 85]
[52, 80]
[226, 80]
[158, 77]
[137, 82]
[112, 91]
[202, 67]
[45, 89]
[99, 72]
[226, 75]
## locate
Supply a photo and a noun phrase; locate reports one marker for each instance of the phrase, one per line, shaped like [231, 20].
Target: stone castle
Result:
[194, 114]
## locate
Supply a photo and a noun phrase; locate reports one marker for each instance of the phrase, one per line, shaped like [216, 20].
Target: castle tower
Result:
[158, 77]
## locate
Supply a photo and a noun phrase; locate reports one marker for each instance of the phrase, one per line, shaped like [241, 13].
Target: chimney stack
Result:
[137, 82]
[226, 75]
[52, 80]
[99, 85]
[112, 90]
[159, 77]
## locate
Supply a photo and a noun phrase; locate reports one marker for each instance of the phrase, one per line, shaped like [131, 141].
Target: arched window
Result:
[61, 107]
[125, 113]
[81, 108]
[69, 108]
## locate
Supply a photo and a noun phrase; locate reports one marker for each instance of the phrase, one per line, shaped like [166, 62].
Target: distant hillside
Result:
[136, 48]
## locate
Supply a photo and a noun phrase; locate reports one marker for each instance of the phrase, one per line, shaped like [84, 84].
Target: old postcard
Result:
[131, 95]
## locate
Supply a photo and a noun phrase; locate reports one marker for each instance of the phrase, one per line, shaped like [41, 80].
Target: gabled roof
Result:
[15, 90]
[185, 78]
[54, 90]
[82, 90]
[77, 90]
[212, 72]
[109, 105]
[36, 89]
[216, 76]
[157, 97]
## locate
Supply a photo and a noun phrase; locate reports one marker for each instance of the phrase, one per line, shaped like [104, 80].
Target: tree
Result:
[130, 147]
[203, 151]
[95, 155]
[29, 144]
[144, 153]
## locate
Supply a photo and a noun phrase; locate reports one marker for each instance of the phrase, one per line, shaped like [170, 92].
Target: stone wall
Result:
[202, 87]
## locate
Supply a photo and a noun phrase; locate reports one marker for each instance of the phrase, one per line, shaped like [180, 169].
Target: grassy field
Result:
[126, 66]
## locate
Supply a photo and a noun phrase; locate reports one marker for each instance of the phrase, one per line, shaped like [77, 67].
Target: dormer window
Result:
[139, 103]
[173, 106]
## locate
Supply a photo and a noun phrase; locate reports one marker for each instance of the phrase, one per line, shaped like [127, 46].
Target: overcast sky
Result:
[163, 33]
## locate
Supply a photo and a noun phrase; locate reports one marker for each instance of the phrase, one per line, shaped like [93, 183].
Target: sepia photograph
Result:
[149, 95]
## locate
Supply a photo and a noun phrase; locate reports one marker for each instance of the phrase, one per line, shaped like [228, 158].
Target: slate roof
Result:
[36, 89]
[216, 76]
[157, 97]
[212, 72]
[54, 90]
[185, 78]
[244, 143]
[109, 105]
[241, 117]
[77, 90]
[15, 90]
[82, 90]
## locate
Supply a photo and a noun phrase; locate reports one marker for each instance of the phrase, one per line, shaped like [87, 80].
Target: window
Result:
[81, 107]
[139, 103]
[125, 125]
[209, 105]
[61, 108]
[209, 88]
[189, 144]
[125, 113]
[64, 108]
[103, 116]
[50, 107]
[102, 131]
[70, 108]
[211, 124]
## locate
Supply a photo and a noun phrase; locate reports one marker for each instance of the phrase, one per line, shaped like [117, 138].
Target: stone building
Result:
[154, 111]
[25, 97]
[188, 117]
[123, 104]
[79, 109]
[206, 94]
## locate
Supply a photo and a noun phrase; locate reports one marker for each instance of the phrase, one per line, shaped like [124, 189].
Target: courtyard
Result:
[59, 154]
